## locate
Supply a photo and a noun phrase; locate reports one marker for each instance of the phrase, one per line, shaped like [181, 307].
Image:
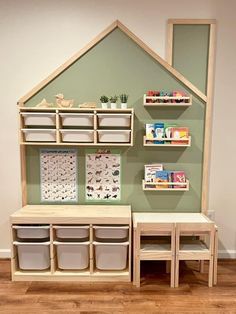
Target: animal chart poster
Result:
[59, 175]
[103, 177]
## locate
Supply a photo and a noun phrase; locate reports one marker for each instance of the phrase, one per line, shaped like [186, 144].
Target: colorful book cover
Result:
[179, 176]
[178, 133]
[150, 131]
[162, 176]
[168, 131]
[150, 171]
[159, 132]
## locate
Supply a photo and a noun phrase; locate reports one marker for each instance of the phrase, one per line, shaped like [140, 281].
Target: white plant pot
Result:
[123, 105]
[104, 105]
[113, 105]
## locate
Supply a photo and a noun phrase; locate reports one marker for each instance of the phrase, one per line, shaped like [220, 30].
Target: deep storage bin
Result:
[111, 256]
[72, 232]
[114, 120]
[77, 119]
[114, 136]
[39, 118]
[39, 135]
[111, 232]
[73, 256]
[33, 256]
[32, 232]
[77, 136]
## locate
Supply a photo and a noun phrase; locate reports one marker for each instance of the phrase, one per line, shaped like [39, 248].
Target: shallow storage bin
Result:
[77, 119]
[39, 118]
[111, 256]
[114, 136]
[77, 136]
[32, 232]
[72, 232]
[114, 120]
[111, 232]
[33, 256]
[39, 135]
[74, 256]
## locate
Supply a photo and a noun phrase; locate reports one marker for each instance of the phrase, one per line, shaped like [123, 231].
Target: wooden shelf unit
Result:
[182, 186]
[188, 142]
[95, 128]
[166, 101]
[71, 215]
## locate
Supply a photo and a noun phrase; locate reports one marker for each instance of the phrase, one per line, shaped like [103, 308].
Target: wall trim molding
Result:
[5, 253]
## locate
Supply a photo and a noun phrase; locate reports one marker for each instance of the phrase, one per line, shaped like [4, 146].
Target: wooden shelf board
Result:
[74, 144]
[166, 189]
[90, 110]
[167, 145]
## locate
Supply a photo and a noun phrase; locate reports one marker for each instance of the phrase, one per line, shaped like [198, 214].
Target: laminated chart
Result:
[59, 175]
[103, 177]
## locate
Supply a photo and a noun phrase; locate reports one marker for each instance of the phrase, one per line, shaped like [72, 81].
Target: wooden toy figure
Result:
[63, 103]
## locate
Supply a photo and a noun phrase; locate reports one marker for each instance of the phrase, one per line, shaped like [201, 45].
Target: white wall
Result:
[38, 36]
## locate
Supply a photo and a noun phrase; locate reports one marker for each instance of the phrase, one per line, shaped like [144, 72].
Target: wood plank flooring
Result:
[154, 296]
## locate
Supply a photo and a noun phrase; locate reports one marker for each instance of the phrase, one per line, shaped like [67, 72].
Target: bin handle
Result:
[31, 243]
[30, 227]
[111, 243]
[111, 227]
[71, 227]
[70, 243]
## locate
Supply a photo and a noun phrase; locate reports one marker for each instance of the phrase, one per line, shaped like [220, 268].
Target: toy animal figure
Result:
[44, 104]
[64, 103]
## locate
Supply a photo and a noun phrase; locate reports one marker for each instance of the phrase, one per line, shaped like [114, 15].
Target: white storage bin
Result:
[39, 135]
[114, 120]
[72, 232]
[32, 232]
[77, 136]
[114, 136]
[111, 256]
[77, 119]
[111, 232]
[72, 255]
[39, 118]
[33, 256]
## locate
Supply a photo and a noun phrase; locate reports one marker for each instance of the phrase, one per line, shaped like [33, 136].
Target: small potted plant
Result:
[113, 100]
[104, 101]
[123, 100]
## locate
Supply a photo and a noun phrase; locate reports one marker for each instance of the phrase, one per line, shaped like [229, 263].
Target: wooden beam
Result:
[192, 21]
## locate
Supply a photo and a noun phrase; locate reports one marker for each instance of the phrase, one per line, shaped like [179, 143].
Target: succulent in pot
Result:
[113, 100]
[104, 101]
[123, 100]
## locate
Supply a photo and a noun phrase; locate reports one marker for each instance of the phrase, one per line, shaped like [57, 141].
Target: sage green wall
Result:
[117, 65]
[190, 52]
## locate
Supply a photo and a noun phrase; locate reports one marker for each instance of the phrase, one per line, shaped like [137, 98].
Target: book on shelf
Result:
[178, 176]
[162, 176]
[150, 171]
[179, 133]
[150, 131]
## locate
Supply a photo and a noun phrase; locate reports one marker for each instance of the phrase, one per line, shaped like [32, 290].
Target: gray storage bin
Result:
[39, 135]
[72, 232]
[33, 256]
[111, 256]
[111, 232]
[114, 136]
[77, 119]
[72, 256]
[77, 136]
[32, 232]
[114, 119]
[39, 118]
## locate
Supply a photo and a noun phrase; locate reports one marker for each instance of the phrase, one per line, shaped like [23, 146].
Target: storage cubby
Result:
[75, 126]
[76, 242]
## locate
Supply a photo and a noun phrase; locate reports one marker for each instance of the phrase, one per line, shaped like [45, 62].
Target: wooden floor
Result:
[154, 296]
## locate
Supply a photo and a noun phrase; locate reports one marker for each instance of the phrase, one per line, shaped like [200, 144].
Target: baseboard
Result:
[5, 253]
[227, 253]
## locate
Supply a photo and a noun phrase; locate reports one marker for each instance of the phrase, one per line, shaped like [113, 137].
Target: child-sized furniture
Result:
[195, 249]
[71, 242]
[161, 247]
[193, 225]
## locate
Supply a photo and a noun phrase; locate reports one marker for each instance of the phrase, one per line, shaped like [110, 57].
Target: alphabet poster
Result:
[103, 177]
[58, 171]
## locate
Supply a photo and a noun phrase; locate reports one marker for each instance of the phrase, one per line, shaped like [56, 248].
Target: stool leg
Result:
[211, 272]
[201, 266]
[176, 272]
[215, 257]
[137, 276]
[172, 273]
[134, 257]
[168, 266]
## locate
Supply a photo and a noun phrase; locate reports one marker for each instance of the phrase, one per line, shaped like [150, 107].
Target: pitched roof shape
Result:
[97, 39]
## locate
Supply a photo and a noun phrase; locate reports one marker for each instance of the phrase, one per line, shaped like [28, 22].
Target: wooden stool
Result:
[195, 249]
[154, 250]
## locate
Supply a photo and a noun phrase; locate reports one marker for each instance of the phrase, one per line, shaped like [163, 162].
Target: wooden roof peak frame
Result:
[96, 40]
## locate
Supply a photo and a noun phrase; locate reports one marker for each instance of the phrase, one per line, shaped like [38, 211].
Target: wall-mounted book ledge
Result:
[164, 101]
[166, 186]
[167, 142]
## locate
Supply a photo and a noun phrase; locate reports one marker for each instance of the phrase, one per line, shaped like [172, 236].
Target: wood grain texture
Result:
[154, 296]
